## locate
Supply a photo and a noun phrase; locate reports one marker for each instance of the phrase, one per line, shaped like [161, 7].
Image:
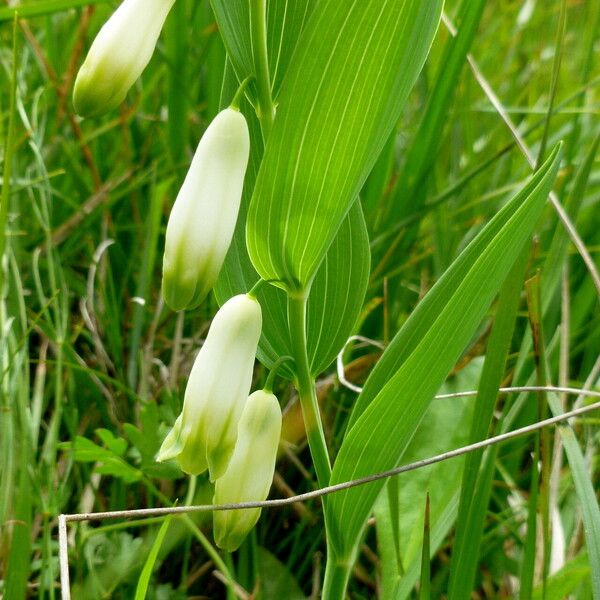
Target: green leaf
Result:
[342, 95]
[114, 444]
[144, 580]
[444, 426]
[379, 436]
[425, 587]
[275, 579]
[566, 581]
[477, 483]
[337, 294]
[110, 463]
[590, 511]
[36, 9]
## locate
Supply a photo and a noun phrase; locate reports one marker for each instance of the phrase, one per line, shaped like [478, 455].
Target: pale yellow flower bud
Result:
[205, 433]
[118, 55]
[204, 215]
[249, 475]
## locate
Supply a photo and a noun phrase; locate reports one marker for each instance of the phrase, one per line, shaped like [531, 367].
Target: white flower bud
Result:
[250, 472]
[118, 55]
[204, 215]
[205, 433]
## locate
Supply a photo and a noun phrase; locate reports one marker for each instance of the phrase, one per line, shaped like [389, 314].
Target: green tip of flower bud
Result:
[249, 475]
[95, 93]
[180, 287]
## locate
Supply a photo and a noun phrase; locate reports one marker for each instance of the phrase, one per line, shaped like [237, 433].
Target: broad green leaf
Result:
[566, 581]
[85, 450]
[345, 87]
[347, 263]
[379, 436]
[427, 311]
[275, 579]
[337, 294]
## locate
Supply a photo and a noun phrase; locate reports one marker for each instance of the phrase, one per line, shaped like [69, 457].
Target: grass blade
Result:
[425, 587]
[144, 580]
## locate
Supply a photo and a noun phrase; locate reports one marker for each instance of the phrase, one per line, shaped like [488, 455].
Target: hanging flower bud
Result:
[250, 472]
[203, 218]
[205, 433]
[118, 55]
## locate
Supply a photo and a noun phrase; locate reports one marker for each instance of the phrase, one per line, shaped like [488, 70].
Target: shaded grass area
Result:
[94, 366]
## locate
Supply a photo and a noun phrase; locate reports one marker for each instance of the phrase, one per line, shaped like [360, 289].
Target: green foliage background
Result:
[94, 366]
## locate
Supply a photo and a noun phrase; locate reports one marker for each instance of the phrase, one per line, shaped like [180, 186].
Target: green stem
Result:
[306, 389]
[268, 387]
[237, 99]
[265, 109]
[336, 579]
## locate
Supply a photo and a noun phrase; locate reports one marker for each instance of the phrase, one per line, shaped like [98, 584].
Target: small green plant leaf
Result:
[144, 580]
[110, 463]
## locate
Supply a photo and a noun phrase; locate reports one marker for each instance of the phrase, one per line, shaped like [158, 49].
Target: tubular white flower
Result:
[250, 472]
[204, 215]
[205, 433]
[118, 55]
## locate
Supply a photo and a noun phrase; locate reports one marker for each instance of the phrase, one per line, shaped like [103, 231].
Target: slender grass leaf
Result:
[585, 492]
[144, 580]
[425, 587]
[560, 241]
[37, 9]
[439, 531]
[378, 438]
[530, 544]
[343, 92]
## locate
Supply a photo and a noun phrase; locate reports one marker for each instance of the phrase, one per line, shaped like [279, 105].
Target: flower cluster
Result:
[221, 428]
